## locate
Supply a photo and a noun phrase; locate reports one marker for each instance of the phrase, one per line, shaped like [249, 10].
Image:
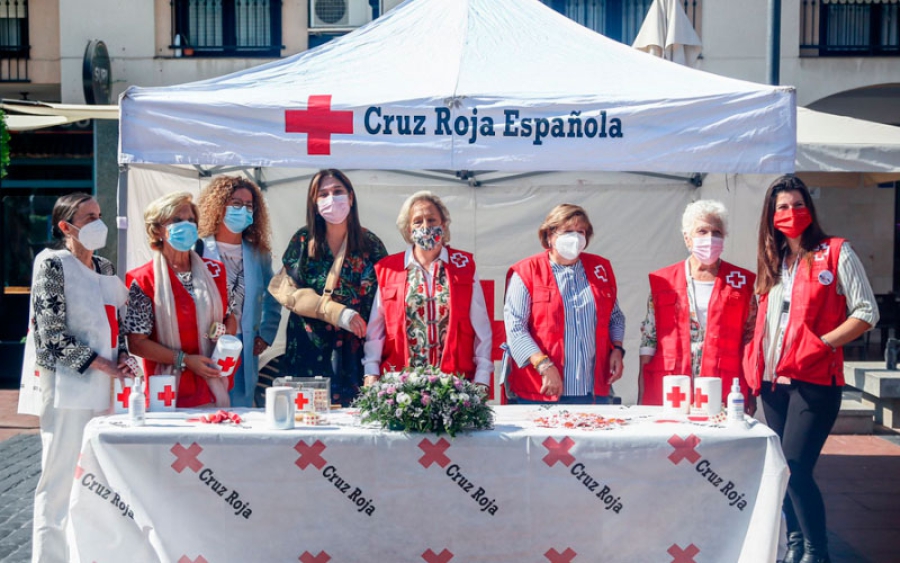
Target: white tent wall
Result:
[636, 218]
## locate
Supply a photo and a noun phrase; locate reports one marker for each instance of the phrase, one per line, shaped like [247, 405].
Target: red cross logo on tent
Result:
[684, 449]
[459, 259]
[79, 471]
[167, 395]
[301, 400]
[433, 557]
[600, 272]
[187, 457]
[434, 453]
[310, 455]
[685, 555]
[556, 557]
[123, 396]
[676, 396]
[186, 559]
[736, 279]
[308, 557]
[319, 123]
[699, 398]
[559, 451]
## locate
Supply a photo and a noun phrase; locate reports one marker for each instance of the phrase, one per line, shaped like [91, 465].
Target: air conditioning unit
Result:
[339, 13]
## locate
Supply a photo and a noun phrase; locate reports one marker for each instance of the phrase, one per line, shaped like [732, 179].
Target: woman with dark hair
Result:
[234, 229]
[315, 347]
[814, 298]
[75, 347]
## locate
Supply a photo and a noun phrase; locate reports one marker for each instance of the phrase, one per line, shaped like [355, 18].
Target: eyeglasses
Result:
[237, 204]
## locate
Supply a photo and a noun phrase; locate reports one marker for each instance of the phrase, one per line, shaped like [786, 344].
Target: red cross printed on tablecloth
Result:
[736, 279]
[685, 555]
[684, 449]
[301, 401]
[187, 457]
[167, 395]
[123, 396]
[699, 398]
[319, 123]
[310, 454]
[186, 559]
[225, 364]
[434, 453]
[308, 557]
[556, 557]
[676, 396]
[433, 557]
[559, 451]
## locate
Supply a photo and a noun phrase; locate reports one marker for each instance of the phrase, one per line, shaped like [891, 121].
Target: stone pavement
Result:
[859, 477]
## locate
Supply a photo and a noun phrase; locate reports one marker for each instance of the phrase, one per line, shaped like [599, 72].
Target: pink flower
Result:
[426, 398]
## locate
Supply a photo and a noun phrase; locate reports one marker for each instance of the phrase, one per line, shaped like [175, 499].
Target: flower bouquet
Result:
[425, 400]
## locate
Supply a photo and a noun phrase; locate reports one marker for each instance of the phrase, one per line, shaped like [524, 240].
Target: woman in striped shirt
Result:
[564, 327]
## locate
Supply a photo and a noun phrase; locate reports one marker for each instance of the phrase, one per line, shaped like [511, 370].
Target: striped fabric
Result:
[580, 330]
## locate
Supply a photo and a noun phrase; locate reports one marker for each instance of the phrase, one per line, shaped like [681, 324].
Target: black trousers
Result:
[802, 415]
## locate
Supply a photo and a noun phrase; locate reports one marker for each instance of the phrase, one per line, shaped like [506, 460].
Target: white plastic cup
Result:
[707, 395]
[280, 408]
[677, 393]
[227, 354]
[163, 393]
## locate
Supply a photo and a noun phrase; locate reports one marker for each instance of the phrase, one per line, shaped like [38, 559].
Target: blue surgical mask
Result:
[182, 236]
[237, 219]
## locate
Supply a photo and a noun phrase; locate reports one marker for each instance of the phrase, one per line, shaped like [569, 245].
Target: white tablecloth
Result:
[656, 489]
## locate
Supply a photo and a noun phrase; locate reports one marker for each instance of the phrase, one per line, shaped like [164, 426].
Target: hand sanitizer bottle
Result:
[136, 403]
[735, 403]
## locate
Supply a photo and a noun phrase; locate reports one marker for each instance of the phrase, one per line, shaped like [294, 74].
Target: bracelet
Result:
[543, 365]
[540, 360]
[829, 344]
[179, 360]
[620, 349]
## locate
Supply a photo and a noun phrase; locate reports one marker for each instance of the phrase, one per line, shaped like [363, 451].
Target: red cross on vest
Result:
[319, 123]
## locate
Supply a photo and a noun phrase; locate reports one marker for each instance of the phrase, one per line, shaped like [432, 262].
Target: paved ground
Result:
[859, 476]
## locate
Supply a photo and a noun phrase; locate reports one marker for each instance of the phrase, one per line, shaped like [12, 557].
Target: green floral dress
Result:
[315, 347]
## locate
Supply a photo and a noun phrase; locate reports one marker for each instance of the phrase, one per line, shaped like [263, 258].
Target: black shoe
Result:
[814, 554]
[794, 548]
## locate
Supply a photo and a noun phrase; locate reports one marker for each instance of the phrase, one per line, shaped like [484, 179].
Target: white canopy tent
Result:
[506, 88]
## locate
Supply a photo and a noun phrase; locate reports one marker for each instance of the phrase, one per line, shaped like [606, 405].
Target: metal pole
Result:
[773, 43]
[122, 222]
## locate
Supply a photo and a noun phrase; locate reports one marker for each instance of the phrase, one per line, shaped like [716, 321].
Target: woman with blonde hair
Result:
[429, 308]
[234, 229]
[564, 327]
[174, 300]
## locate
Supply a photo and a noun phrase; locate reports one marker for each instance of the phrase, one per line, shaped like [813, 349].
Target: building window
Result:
[228, 28]
[616, 19]
[850, 28]
[13, 40]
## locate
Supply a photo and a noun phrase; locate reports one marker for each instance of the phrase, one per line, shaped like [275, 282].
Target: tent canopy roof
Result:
[467, 85]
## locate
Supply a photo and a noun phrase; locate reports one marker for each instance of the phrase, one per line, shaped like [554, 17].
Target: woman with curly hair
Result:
[234, 229]
[315, 347]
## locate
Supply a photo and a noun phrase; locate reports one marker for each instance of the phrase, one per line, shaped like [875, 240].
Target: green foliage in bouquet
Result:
[425, 400]
[4, 145]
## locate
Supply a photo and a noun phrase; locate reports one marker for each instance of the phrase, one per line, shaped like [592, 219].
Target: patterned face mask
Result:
[427, 238]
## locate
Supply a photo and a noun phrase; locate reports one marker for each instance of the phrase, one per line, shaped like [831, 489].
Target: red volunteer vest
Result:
[816, 308]
[547, 324]
[459, 345]
[192, 389]
[729, 307]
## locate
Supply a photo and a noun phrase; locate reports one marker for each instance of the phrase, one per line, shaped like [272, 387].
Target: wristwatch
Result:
[620, 349]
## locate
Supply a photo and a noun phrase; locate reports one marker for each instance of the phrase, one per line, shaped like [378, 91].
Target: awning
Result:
[26, 115]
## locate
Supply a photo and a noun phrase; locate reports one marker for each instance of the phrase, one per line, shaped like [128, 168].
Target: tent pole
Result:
[122, 221]
[773, 43]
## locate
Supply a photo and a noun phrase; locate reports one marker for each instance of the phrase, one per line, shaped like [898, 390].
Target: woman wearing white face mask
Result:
[430, 308]
[75, 347]
[700, 311]
[175, 299]
[564, 327]
[315, 347]
[234, 229]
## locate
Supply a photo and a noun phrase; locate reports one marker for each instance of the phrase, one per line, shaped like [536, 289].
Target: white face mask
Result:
[707, 249]
[93, 235]
[570, 245]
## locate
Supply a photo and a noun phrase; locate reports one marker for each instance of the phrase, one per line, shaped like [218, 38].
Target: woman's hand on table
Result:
[551, 382]
[202, 366]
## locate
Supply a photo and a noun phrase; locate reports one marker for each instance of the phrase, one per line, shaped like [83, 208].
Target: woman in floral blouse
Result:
[430, 308]
[315, 347]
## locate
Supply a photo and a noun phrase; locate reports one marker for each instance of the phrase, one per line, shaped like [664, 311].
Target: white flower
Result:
[413, 377]
[454, 397]
[403, 398]
[445, 379]
[463, 397]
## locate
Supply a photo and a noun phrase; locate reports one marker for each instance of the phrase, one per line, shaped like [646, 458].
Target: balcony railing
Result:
[855, 28]
[13, 40]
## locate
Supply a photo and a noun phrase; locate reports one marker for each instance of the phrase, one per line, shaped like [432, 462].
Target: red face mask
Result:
[792, 221]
